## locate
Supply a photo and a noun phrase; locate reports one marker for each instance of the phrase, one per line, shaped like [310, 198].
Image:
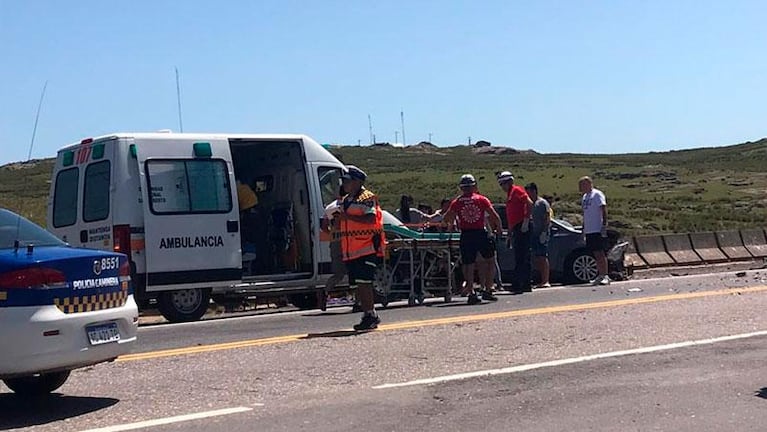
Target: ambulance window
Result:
[330, 183]
[96, 192]
[65, 198]
[189, 186]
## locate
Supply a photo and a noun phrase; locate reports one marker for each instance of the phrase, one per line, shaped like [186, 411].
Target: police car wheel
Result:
[184, 305]
[37, 385]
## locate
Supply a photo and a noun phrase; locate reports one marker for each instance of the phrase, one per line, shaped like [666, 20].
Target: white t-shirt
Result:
[332, 209]
[592, 203]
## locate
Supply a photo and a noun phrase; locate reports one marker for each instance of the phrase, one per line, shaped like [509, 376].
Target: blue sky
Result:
[555, 76]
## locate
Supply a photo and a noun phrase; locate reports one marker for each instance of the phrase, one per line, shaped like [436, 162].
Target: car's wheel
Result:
[184, 305]
[37, 385]
[304, 301]
[581, 267]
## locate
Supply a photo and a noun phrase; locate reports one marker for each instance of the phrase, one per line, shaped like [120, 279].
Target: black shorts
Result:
[595, 242]
[472, 243]
[363, 269]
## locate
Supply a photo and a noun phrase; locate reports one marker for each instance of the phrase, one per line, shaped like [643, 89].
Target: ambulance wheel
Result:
[304, 301]
[184, 305]
[37, 385]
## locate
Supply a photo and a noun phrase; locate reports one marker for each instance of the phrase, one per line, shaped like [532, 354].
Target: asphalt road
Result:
[675, 354]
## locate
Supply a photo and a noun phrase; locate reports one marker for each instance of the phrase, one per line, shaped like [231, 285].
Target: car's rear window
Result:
[14, 227]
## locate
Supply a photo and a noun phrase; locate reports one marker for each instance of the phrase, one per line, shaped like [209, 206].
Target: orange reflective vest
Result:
[362, 239]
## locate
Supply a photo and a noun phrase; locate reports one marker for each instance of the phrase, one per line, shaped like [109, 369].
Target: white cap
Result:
[467, 180]
[504, 177]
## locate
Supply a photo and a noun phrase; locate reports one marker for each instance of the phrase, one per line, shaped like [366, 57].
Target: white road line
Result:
[527, 367]
[169, 420]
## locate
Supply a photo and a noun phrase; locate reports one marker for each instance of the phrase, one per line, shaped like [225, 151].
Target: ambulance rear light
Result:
[121, 236]
[33, 278]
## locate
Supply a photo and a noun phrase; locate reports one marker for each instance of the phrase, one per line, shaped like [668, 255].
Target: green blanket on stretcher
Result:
[411, 234]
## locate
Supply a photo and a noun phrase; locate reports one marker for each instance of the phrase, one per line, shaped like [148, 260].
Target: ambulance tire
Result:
[184, 305]
[304, 301]
[37, 385]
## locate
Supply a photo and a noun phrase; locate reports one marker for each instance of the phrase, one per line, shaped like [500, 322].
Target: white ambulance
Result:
[170, 202]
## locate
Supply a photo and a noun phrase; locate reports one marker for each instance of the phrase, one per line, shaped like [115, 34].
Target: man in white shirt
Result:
[594, 206]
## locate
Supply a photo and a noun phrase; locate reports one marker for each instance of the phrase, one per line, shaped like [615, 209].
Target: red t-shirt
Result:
[470, 211]
[516, 205]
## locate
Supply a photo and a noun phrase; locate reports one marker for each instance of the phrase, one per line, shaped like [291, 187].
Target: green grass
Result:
[678, 191]
[24, 188]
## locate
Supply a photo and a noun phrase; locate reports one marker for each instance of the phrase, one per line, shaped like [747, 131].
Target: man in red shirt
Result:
[468, 212]
[519, 207]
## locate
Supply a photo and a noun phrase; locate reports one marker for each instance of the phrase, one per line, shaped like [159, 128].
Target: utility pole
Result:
[396, 137]
[469, 140]
[430, 138]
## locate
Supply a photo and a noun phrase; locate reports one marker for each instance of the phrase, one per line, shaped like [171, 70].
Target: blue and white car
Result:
[61, 308]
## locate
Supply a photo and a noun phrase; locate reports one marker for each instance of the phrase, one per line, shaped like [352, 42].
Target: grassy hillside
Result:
[24, 188]
[678, 191]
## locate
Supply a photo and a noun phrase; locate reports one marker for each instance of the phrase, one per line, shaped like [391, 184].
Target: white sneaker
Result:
[546, 285]
[596, 281]
[605, 280]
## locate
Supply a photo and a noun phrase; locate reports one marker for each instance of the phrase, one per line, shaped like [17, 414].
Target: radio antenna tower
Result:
[402, 119]
[370, 127]
[178, 100]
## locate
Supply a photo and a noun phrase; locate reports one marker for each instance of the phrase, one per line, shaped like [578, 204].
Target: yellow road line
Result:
[448, 320]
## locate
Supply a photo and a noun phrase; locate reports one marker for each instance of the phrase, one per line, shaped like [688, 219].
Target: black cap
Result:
[354, 173]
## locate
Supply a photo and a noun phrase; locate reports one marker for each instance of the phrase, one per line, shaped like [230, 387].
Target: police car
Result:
[61, 308]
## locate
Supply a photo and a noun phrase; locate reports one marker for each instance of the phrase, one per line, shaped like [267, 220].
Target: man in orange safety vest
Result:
[362, 241]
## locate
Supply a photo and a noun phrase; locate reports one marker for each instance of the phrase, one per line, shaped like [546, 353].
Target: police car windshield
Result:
[14, 227]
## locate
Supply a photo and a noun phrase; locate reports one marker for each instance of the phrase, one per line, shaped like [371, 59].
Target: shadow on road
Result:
[762, 393]
[448, 305]
[334, 334]
[21, 412]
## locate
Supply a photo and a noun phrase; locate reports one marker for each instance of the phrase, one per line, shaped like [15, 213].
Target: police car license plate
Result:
[103, 333]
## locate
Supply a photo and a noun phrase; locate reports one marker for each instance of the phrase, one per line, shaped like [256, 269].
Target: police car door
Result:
[191, 219]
